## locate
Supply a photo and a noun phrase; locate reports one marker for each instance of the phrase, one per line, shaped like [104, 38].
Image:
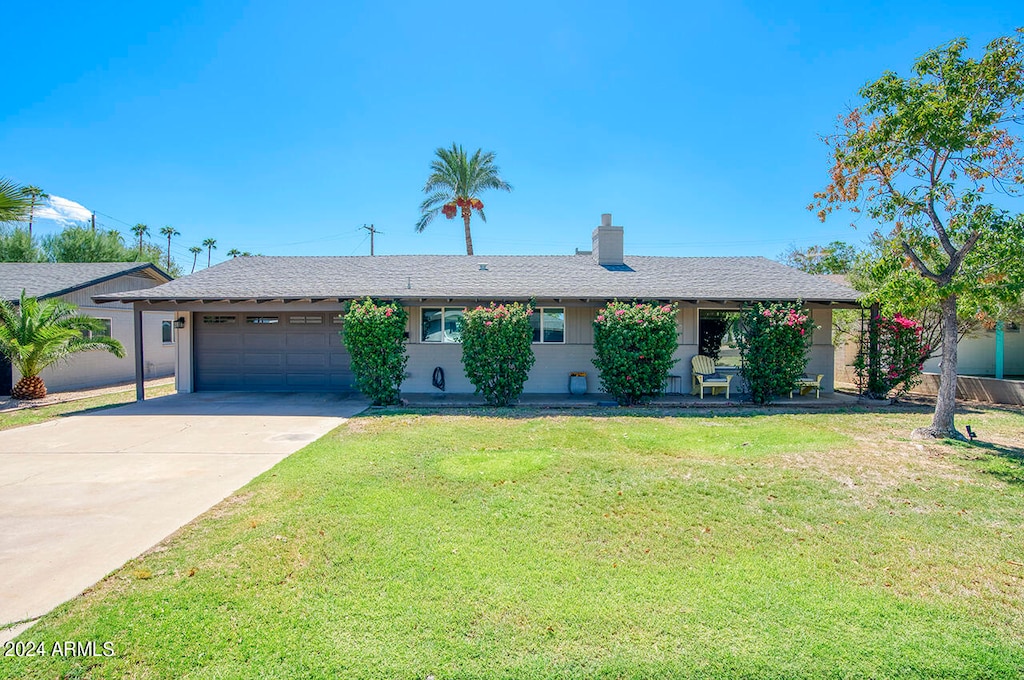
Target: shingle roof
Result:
[506, 277]
[50, 279]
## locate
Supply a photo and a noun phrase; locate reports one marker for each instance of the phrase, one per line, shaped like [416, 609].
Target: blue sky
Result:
[281, 128]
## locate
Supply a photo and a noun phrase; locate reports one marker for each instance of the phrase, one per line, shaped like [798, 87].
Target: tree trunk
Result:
[31, 387]
[467, 212]
[942, 426]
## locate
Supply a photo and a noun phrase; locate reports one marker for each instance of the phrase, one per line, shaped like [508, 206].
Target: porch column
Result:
[999, 350]
[140, 362]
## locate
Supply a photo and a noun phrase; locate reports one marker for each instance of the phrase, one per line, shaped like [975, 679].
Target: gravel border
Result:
[9, 404]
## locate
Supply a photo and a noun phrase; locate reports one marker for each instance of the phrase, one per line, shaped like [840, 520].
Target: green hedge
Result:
[634, 343]
[497, 350]
[374, 334]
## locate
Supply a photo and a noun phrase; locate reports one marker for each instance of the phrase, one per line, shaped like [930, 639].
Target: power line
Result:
[360, 245]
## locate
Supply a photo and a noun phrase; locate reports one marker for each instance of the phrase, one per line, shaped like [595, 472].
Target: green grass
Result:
[39, 414]
[554, 546]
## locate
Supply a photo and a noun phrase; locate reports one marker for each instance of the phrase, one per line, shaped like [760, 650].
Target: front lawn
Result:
[39, 414]
[558, 546]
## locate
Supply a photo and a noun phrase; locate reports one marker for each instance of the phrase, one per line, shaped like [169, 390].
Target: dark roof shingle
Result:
[506, 277]
[50, 279]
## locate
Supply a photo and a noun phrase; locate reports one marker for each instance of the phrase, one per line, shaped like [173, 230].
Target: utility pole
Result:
[372, 233]
[94, 221]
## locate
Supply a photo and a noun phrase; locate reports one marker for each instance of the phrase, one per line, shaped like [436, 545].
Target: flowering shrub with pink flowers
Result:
[497, 350]
[894, 368]
[773, 340]
[374, 334]
[634, 343]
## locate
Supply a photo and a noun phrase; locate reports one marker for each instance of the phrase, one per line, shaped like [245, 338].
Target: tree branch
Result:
[919, 263]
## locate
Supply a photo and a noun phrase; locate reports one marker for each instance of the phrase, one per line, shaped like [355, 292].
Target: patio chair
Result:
[806, 383]
[706, 378]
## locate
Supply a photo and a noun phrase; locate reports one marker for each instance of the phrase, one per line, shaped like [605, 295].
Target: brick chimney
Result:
[607, 242]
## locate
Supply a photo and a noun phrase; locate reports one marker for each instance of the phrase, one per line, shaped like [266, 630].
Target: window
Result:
[548, 324]
[104, 332]
[442, 324]
[261, 320]
[307, 320]
[716, 338]
[218, 318]
[166, 332]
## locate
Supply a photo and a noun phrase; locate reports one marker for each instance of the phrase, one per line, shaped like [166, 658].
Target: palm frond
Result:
[37, 334]
[14, 203]
[425, 219]
[435, 200]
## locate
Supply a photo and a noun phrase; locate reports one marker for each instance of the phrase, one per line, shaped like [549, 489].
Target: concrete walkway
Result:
[80, 496]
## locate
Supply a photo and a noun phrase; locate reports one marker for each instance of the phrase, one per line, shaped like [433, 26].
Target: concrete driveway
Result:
[80, 496]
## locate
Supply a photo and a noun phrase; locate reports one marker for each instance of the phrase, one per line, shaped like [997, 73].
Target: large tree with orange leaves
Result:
[454, 185]
[927, 156]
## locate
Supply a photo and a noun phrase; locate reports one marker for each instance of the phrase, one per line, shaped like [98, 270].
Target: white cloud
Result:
[63, 211]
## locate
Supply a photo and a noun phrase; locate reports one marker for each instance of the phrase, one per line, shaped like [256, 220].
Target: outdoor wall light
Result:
[179, 322]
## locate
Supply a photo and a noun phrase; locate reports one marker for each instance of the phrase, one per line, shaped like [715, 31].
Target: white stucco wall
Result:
[976, 354]
[97, 369]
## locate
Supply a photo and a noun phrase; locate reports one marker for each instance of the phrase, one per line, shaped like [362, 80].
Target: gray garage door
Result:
[270, 352]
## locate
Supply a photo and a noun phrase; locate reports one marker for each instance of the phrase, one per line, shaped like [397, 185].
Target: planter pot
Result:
[577, 384]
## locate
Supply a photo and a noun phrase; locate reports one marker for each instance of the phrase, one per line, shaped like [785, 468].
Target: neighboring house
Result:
[978, 352]
[982, 352]
[78, 283]
[271, 323]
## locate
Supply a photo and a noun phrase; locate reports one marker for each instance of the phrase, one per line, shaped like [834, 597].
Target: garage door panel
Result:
[260, 361]
[341, 382]
[319, 360]
[306, 341]
[220, 360]
[264, 340]
[282, 357]
[265, 381]
[220, 341]
[303, 380]
[340, 361]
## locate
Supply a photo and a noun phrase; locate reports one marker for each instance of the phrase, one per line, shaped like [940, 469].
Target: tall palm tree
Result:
[169, 231]
[34, 194]
[211, 245]
[234, 252]
[14, 205]
[35, 334]
[455, 182]
[140, 230]
[195, 250]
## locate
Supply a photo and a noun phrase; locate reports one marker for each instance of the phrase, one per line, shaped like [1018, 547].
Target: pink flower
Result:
[629, 377]
[487, 323]
[600, 317]
[387, 312]
[666, 308]
[620, 312]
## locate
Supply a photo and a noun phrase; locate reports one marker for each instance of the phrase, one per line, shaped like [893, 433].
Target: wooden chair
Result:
[806, 383]
[705, 377]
